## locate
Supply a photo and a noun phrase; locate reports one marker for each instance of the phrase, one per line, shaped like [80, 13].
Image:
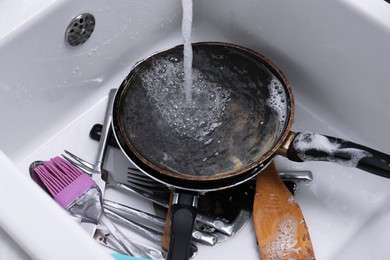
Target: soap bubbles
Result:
[277, 101]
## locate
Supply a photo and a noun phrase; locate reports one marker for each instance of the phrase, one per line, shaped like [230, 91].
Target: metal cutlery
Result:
[140, 190]
[152, 235]
[199, 236]
[142, 185]
[155, 223]
[78, 194]
[96, 173]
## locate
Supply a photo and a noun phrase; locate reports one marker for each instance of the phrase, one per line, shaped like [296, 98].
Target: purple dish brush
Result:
[64, 182]
[78, 194]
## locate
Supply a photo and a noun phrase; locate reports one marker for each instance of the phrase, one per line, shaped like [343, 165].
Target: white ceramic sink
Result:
[335, 53]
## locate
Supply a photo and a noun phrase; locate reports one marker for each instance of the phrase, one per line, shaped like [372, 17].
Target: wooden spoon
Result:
[281, 230]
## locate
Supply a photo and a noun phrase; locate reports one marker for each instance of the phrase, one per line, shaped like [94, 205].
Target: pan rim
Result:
[180, 180]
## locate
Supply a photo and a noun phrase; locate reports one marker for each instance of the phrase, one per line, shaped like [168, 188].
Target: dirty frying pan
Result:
[238, 118]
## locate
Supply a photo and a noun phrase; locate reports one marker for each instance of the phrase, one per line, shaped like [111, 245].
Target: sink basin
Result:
[334, 53]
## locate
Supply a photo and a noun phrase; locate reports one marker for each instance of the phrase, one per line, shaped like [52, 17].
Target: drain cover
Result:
[80, 29]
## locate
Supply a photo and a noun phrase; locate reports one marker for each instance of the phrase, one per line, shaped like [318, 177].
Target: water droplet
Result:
[208, 141]
[77, 69]
[174, 59]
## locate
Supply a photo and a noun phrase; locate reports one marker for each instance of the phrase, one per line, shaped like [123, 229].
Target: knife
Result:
[96, 175]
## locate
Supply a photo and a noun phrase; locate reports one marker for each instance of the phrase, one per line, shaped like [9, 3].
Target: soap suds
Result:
[285, 240]
[308, 141]
[277, 101]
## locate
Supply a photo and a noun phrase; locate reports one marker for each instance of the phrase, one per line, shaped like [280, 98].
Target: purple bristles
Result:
[56, 174]
[63, 180]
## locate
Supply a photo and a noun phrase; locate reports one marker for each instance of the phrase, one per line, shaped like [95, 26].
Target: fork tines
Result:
[136, 178]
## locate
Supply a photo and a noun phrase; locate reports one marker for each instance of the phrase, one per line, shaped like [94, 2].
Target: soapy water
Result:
[195, 118]
[285, 240]
[277, 101]
[309, 141]
[233, 119]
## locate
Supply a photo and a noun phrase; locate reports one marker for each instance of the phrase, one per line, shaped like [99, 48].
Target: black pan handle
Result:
[309, 146]
[183, 214]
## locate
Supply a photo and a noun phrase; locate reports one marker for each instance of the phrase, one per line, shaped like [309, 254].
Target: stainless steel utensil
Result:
[140, 190]
[201, 237]
[96, 173]
[154, 222]
[81, 197]
[154, 236]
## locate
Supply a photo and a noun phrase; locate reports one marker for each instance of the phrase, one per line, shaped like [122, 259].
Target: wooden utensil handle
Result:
[280, 227]
[167, 228]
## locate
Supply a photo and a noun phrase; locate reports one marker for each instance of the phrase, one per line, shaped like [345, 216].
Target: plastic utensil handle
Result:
[308, 146]
[183, 213]
[125, 257]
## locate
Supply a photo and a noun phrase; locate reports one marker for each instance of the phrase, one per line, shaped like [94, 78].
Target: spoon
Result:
[281, 230]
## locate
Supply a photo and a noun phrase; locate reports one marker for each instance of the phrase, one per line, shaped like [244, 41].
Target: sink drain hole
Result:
[80, 29]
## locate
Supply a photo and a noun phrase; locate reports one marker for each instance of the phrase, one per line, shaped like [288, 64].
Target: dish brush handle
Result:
[128, 246]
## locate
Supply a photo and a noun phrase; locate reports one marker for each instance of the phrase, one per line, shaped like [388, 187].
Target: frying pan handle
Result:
[308, 146]
[183, 213]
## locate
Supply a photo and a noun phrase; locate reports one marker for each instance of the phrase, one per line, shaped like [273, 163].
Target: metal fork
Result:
[136, 177]
[221, 226]
[199, 236]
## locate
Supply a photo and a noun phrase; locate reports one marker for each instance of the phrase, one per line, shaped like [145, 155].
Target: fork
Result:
[81, 197]
[200, 236]
[140, 189]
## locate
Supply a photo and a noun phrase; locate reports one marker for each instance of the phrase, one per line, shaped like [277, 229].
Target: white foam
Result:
[308, 141]
[277, 100]
[285, 240]
[164, 88]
